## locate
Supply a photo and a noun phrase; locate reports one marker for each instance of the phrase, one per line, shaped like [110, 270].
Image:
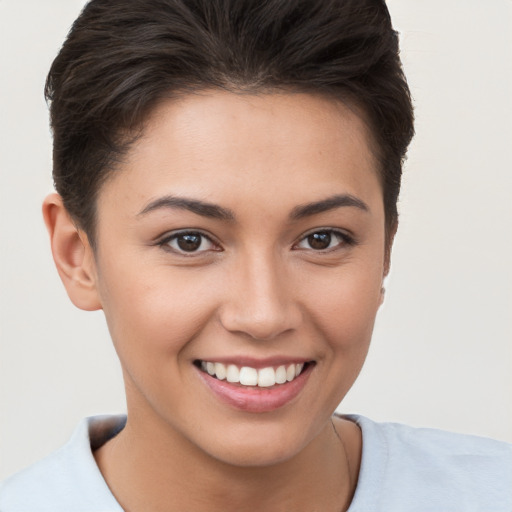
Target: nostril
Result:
[259, 326]
[261, 303]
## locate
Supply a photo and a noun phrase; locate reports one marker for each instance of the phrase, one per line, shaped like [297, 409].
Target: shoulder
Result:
[420, 469]
[436, 443]
[67, 479]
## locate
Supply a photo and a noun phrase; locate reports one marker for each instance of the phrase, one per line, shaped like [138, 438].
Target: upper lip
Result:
[257, 363]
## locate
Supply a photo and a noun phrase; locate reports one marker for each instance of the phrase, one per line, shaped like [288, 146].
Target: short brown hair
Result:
[123, 56]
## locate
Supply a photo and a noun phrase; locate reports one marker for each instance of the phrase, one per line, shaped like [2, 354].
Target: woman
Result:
[227, 176]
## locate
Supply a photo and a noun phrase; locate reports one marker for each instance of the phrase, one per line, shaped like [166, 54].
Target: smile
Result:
[255, 390]
[248, 376]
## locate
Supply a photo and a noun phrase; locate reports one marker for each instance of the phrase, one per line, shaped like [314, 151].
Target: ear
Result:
[390, 237]
[72, 254]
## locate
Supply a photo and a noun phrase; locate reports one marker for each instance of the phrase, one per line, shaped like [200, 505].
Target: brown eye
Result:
[191, 242]
[324, 239]
[319, 241]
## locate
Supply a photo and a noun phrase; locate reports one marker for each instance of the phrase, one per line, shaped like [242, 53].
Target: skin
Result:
[258, 289]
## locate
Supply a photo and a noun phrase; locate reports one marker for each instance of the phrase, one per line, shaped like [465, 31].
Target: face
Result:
[240, 258]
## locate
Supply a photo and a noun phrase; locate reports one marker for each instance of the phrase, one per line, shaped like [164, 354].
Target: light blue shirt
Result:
[403, 469]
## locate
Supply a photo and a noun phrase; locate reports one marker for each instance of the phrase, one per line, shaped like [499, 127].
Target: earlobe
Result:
[390, 237]
[72, 254]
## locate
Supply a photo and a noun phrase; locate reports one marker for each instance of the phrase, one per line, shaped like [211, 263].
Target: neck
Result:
[164, 472]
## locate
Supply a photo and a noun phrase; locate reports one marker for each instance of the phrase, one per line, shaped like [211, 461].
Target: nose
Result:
[261, 300]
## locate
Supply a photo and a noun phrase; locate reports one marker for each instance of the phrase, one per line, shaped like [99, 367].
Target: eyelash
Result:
[166, 241]
[342, 237]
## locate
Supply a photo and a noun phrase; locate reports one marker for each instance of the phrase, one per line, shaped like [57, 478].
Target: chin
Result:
[257, 454]
[258, 444]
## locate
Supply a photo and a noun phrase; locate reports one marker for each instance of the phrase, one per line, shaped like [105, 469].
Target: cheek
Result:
[155, 310]
[345, 307]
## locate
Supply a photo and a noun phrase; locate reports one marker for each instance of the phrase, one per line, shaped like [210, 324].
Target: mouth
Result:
[267, 377]
[253, 389]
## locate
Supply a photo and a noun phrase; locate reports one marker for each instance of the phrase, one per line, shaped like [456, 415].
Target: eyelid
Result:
[164, 240]
[347, 238]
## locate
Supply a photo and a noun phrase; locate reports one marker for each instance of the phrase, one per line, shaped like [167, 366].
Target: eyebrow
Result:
[336, 201]
[202, 208]
[214, 211]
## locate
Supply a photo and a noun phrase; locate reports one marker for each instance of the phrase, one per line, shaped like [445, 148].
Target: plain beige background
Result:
[442, 350]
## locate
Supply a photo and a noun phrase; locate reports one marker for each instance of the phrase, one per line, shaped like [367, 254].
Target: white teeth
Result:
[233, 374]
[266, 377]
[220, 371]
[281, 375]
[247, 376]
[290, 373]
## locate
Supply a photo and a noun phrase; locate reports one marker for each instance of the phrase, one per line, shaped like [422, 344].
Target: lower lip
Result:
[256, 399]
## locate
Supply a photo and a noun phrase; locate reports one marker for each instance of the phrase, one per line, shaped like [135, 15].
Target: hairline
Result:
[130, 136]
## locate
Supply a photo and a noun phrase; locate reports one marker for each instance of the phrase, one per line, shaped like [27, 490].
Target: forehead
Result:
[221, 145]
